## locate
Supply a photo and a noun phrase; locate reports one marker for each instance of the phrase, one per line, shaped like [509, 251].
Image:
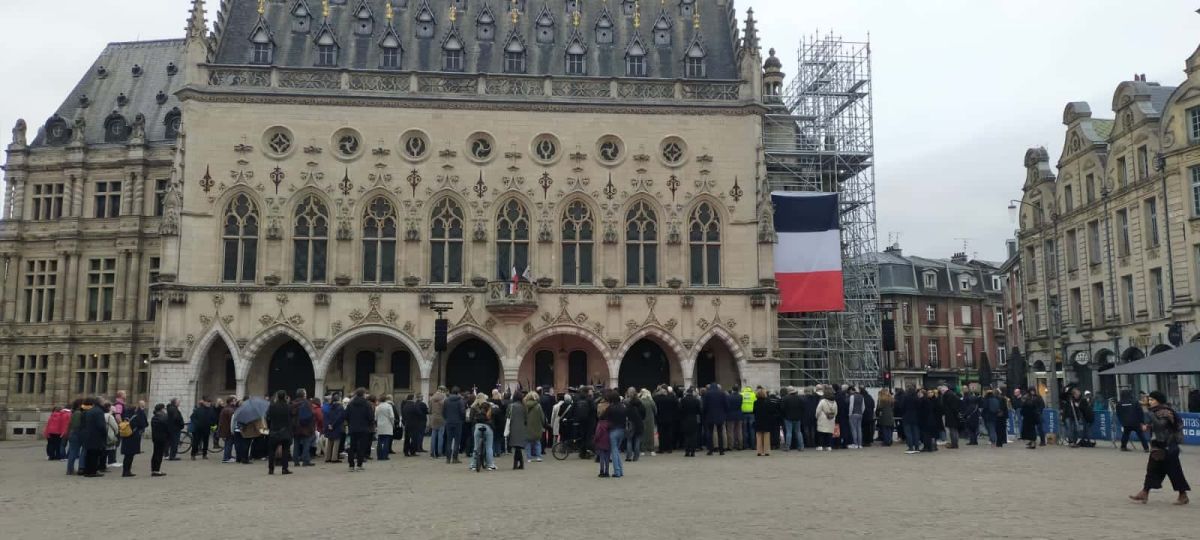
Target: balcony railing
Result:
[511, 307]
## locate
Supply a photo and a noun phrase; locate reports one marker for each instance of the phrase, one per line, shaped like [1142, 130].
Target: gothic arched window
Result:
[641, 245]
[704, 245]
[239, 237]
[309, 241]
[512, 239]
[446, 243]
[578, 237]
[379, 242]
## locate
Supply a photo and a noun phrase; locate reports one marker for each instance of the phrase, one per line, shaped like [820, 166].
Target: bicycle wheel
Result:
[185, 442]
[561, 450]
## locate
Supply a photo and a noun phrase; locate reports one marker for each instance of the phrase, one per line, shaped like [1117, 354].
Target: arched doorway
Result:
[577, 368]
[291, 369]
[1162, 347]
[379, 360]
[543, 369]
[218, 375]
[644, 366]
[1132, 354]
[560, 358]
[473, 365]
[716, 363]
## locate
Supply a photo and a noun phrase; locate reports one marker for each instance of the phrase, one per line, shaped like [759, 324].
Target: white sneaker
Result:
[653, 454]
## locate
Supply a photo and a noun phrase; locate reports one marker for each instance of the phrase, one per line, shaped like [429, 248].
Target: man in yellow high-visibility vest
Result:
[748, 399]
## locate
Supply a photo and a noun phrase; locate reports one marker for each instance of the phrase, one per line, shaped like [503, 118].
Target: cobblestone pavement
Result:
[878, 492]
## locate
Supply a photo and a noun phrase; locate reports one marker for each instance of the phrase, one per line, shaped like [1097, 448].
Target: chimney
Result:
[959, 258]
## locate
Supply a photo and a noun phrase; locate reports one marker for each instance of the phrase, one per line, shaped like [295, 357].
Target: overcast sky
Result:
[961, 88]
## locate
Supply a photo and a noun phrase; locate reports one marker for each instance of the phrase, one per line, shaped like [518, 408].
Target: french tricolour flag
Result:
[808, 257]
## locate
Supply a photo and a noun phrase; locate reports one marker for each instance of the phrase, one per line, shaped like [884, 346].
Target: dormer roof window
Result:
[301, 17]
[364, 23]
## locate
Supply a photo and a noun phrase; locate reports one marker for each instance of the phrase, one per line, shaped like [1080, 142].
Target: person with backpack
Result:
[1167, 429]
[303, 427]
[827, 411]
[132, 426]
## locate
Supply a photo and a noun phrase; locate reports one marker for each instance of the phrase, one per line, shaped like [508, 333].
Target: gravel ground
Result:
[1053, 492]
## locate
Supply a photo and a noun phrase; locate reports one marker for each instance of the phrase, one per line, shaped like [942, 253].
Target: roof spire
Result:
[387, 12]
[696, 20]
[637, 14]
[453, 14]
[750, 41]
[197, 26]
[514, 13]
[262, 6]
[575, 17]
[325, 9]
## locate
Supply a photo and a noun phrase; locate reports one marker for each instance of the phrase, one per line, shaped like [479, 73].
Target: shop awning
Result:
[1185, 359]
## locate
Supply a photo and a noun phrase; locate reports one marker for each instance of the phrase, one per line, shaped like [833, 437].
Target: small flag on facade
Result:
[808, 257]
[512, 287]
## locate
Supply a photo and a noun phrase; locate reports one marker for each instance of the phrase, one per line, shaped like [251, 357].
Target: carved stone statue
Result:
[18, 133]
[173, 199]
[138, 133]
[77, 130]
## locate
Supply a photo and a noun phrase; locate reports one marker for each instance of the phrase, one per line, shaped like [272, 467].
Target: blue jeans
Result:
[483, 432]
[451, 447]
[856, 429]
[791, 428]
[912, 435]
[602, 457]
[497, 444]
[533, 449]
[633, 448]
[302, 450]
[885, 435]
[748, 430]
[991, 430]
[75, 454]
[615, 436]
[227, 450]
[437, 442]
[384, 443]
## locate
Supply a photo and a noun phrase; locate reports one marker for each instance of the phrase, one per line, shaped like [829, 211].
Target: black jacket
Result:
[279, 420]
[174, 418]
[616, 414]
[637, 415]
[689, 413]
[951, 408]
[93, 429]
[793, 408]
[359, 415]
[454, 411]
[1130, 413]
[766, 416]
[160, 431]
[668, 409]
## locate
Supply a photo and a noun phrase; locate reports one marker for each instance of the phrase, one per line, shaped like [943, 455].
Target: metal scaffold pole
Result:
[818, 136]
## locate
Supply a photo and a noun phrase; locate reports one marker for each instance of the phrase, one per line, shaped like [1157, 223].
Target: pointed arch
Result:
[447, 237]
[330, 351]
[462, 332]
[201, 349]
[239, 233]
[515, 53]
[380, 227]
[642, 234]
[309, 234]
[677, 353]
[269, 334]
[720, 333]
[514, 234]
[327, 46]
[578, 228]
[704, 241]
[563, 329]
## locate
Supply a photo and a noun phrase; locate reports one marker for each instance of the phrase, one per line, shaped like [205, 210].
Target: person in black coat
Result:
[93, 436]
[843, 417]
[951, 409]
[409, 416]
[667, 419]
[160, 436]
[766, 421]
[360, 417]
[690, 410]
[868, 418]
[585, 413]
[279, 427]
[927, 420]
[970, 417]
[203, 420]
[1030, 414]
[714, 418]
[637, 416]
[910, 418]
[132, 445]
[808, 420]
[1132, 418]
[792, 411]
[175, 424]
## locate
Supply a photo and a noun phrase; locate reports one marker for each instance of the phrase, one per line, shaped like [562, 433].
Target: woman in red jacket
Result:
[56, 429]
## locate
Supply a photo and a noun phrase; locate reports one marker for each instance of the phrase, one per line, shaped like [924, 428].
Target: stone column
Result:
[71, 310]
[60, 299]
[133, 288]
[77, 196]
[12, 287]
[9, 190]
[128, 186]
[18, 199]
[511, 376]
[426, 387]
[241, 388]
[120, 288]
[318, 388]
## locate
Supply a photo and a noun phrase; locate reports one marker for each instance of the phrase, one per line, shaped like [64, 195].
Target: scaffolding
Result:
[818, 136]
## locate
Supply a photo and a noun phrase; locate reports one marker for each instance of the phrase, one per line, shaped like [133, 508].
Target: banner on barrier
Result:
[1191, 427]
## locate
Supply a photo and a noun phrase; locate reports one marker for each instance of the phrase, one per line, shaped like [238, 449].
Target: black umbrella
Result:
[985, 371]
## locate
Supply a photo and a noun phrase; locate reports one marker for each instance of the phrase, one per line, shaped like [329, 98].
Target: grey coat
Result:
[516, 422]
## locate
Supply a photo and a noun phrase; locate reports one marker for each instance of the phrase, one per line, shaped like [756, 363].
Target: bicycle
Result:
[480, 449]
[567, 444]
[185, 441]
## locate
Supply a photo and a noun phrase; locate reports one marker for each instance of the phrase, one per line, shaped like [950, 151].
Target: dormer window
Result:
[662, 30]
[301, 17]
[485, 25]
[390, 59]
[452, 55]
[687, 7]
[635, 60]
[693, 62]
[604, 28]
[116, 128]
[964, 282]
[627, 7]
[57, 131]
[576, 61]
[930, 280]
[172, 123]
[327, 54]
[425, 22]
[514, 57]
[545, 26]
[261, 47]
[364, 23]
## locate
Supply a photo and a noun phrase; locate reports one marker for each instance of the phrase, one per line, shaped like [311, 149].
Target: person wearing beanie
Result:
[1167, 430]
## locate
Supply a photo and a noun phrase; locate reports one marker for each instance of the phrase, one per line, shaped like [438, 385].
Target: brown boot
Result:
[1182, 500]
[1141, 496]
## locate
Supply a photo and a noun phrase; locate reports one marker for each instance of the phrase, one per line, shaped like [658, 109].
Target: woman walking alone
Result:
[1167, 430]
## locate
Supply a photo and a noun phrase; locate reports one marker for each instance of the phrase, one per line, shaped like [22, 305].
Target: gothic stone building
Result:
[278, 202]
[1110, 245]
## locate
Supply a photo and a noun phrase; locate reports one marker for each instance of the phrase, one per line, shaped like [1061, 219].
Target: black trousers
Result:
[1001, 431]
[689, 440]
[200, 443]
[412, 443]
[91, 461]
[719, 429]
[285, 454]
[973, 431]
[54, 447]
[127, 464]
[666, 439]
[1167, 467]
[160, 448]
[1141, 437]
[360, 448]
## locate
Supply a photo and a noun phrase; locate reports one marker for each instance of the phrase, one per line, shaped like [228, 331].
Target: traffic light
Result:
[887, 379]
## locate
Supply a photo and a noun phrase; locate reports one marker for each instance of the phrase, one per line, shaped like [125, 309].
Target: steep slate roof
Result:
[103, 91]
[297, 49]
[1103, 127]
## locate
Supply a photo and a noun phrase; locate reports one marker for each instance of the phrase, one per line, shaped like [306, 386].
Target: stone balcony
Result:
[511, 307]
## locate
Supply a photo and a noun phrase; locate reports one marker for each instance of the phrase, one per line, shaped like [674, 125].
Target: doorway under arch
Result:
[645, 365]
[474, 365]
[291, 369]
[218, 374]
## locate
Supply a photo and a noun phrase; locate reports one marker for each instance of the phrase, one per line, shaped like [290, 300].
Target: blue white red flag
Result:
[808, 257]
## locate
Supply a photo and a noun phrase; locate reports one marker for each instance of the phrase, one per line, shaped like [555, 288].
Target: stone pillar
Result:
[9, 189]
[241, 388]
[511, 376]
[318, 388]
[77, 196]
[119, 287]
[12, 287]
[426, 387]
[60, 299]
[9, 275]
[133, 289]
[18, 199]
[72, 285]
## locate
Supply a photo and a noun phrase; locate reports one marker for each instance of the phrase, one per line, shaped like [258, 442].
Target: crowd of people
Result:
[611, 427]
